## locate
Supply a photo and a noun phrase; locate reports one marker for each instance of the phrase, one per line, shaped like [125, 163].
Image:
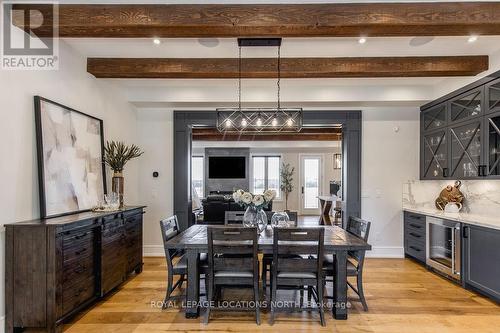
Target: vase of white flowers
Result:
[254, 214]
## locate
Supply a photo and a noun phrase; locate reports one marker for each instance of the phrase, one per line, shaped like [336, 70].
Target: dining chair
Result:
[234, 217]
[232, 262]
[355, 260]
[267, 259]
[176, 260]
[305, 270]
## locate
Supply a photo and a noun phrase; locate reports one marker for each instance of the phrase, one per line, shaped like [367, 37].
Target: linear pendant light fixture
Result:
[259, 120]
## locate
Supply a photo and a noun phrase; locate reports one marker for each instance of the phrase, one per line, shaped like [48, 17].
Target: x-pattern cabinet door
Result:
[466, 148]
[492, 92]
[434, 118]
[467, 106]
[492, 145]
[435, 155]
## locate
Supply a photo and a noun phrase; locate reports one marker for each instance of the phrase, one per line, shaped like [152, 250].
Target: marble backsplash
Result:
[482, 197]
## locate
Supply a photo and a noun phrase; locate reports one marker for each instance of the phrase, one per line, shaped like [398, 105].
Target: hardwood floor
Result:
[403, 298]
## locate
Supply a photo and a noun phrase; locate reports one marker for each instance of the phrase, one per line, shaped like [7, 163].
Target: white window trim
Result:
[200, 195]
[252, 155]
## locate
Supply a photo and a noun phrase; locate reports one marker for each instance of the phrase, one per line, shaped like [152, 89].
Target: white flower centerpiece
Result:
[254, 205]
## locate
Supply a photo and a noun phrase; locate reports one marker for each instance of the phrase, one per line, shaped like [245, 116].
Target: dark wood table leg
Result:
[340, 287]
[193, 284]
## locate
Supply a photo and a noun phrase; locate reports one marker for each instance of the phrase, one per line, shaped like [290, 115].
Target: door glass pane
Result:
[466, 149]
[259, 175]
[494, 96]
[311, 183]
[440, 244]
[435, 155]
[494, 146]
[467, 106]
[273, 174]
[197, 175]
[435, 118]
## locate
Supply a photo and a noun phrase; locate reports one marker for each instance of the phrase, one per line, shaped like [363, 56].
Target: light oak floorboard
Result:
[402, 296]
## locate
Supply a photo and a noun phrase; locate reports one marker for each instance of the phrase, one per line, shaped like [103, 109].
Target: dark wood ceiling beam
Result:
[223, 68]
[278, 20]
[306, 134]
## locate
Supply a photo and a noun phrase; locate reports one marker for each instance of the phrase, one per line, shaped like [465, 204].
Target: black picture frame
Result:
[38, 100]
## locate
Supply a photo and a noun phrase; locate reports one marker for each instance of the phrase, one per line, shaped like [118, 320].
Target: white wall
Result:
[389, 159]
[71, 86]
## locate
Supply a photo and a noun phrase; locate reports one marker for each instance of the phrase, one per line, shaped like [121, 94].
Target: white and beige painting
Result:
[72, 159]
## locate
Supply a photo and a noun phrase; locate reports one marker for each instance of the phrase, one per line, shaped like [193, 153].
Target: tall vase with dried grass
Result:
[116, 155]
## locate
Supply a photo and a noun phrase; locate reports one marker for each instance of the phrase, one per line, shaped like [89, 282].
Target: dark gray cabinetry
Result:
[434, 154]
[491, 155]
[482, 260]
[466, 149]
[414, 236]
[460, 133]
[467, 105]
[492, 98]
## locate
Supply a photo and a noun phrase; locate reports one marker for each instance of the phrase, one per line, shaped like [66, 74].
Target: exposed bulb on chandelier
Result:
[228, 123]
[258, 122]
[289, 122]
[274, 122]
[244, 123]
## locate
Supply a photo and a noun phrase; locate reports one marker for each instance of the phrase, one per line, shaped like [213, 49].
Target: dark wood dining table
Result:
[337, 241]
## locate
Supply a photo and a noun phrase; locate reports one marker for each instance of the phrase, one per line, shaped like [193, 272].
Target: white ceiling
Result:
[158, 92]
[291, 47]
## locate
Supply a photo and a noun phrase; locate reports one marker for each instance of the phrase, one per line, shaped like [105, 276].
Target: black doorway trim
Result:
[184, 121]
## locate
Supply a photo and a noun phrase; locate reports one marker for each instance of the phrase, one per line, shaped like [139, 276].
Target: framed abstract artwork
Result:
[71, 171]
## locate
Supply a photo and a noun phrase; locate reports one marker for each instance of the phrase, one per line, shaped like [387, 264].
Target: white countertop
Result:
[472, 219]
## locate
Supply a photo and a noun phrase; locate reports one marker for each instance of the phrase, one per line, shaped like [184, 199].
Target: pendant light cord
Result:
[239, 78]
[279, 76]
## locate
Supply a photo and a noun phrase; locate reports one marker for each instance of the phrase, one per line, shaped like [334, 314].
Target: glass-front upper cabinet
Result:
[466, 149]
[467, 105]
[493, 96]
[434, 118]
[435, 155]
[492, 163]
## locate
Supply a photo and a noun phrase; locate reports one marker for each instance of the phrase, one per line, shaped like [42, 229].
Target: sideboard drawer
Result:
[77, 270]
[78, 293]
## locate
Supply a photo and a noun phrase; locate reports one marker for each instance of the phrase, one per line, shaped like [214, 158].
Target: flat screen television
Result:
[226, 167]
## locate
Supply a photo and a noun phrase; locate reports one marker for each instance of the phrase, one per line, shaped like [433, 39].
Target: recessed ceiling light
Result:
[472, 39]
[362, 40]
[156, 41]
[419, 41]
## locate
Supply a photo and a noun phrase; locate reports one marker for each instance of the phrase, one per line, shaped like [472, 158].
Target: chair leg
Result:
[273, 299]
[210, 292]
[361, 294]
[169, 291]
[309, 294]
[301, 300]
[256, 299]
[264, 275]
[320, 288]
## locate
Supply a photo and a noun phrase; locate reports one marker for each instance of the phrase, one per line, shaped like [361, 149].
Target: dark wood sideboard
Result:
[57, 267]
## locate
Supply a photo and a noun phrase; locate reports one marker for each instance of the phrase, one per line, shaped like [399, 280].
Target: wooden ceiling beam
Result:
[271, 20]
[306, 134]
[223, 68]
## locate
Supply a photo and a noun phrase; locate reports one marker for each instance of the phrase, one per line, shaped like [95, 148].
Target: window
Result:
[197, 173]
[266, 174]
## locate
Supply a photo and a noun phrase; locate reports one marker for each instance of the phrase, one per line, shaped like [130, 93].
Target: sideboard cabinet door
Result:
[467, 106]
[434, 163]
[113, 261]
[466, 149]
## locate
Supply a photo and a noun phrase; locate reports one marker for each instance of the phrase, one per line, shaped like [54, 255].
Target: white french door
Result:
[310, 184]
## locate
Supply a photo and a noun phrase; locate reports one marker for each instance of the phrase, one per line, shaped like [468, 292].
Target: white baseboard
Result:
[153, 251]
[386, 252]
[376, 252]
[2, 324]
